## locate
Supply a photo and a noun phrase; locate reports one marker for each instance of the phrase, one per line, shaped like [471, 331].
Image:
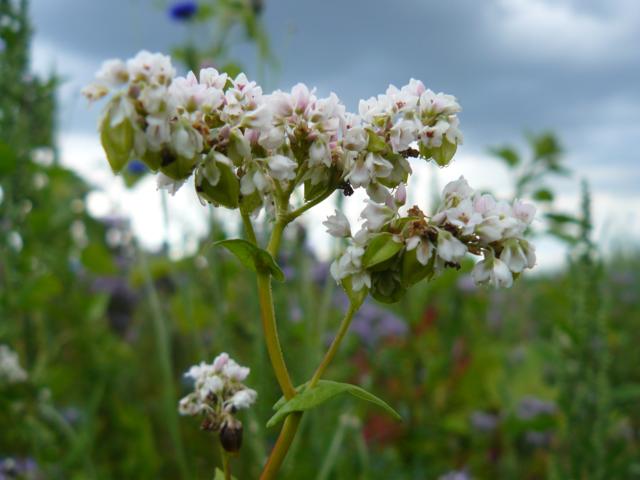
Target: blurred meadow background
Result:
[110, 290]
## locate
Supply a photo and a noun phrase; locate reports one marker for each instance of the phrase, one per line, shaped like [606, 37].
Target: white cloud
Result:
[557, 30]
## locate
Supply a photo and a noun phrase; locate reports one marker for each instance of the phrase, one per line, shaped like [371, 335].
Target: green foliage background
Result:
[106, 329]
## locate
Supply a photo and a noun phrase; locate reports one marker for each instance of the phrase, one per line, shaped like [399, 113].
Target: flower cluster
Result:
[218, 394]
[393, 251]
[249, 150]
[10, 369]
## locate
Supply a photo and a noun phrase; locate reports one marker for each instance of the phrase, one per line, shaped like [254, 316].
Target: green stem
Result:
[328, 357]
[226, 464]
[265, 297]
[281, 447]
[310, 204]
[248, 228]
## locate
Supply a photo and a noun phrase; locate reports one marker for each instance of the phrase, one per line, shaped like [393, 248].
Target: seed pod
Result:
[231, 435]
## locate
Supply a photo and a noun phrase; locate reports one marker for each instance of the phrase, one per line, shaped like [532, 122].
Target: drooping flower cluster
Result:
[247, 149]
[218, 394]
[10, 369]
[393, 251]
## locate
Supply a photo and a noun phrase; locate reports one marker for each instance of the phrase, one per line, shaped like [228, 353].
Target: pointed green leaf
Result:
[253, 257]
[117, 141]
[543, 195]
[381, 248]
[508, 154]
[226, 192]
[309, 398]
[443, 154]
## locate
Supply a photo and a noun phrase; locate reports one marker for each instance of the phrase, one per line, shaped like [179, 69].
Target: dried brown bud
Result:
[231, 435]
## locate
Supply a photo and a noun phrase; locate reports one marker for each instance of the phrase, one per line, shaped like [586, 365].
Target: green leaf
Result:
[226, 192]
[376, 143]
[413, 271]
[309, 398]
[8, 159]
[356, 297]
[97, 259]
[443, 154]
[387, 286]
[381, 248]
[117, 140]
[508, 154]
[253, 257]
[220, 475]
[543, 195]
[562, 218]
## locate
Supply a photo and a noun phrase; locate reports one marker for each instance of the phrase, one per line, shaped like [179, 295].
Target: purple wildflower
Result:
[531, 407]
[373, 324]
[183, 11]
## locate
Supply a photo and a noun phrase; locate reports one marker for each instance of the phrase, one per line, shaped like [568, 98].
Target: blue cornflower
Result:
[137, 167]
[183, 10]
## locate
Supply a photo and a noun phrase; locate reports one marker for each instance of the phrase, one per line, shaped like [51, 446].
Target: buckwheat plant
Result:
[282, 154]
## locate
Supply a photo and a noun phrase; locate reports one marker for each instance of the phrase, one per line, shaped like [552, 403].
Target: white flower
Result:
[355, 138]
[349, 263]
[186, 141]
[158, 132]
[95, 91]
[518, 254]
[218, 391]
[456, 191]
[253, 180]
[360, 280]
[450, 249]
[220, 361]
[368, 169]
[282, 168]
[525, 212]
[423, 247]
[234, 371]
[402, 135]
[112, 73]
[190, 405]
[464, 217]
[433, 104]
[376, 215]
[169, 184]
[243, 398]
[151, 67]
[338, 225]
[212, 384]
[211, 78]
[272, 138]
[10, 369]
[492, 271]
[319, 153]
[484, 204]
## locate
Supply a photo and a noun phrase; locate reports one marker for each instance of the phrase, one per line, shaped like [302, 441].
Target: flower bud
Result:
[231, 435]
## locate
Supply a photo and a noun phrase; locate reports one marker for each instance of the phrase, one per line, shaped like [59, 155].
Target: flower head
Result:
[218, 394]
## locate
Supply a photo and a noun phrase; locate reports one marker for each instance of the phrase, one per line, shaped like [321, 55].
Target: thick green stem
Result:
[280, 449]
[328, 357]
[271, 336]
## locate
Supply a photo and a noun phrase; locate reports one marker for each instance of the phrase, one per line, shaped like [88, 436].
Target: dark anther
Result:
[347, 189]
[410, 153]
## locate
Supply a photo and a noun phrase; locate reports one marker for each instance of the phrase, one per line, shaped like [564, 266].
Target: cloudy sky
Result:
[571, 66]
